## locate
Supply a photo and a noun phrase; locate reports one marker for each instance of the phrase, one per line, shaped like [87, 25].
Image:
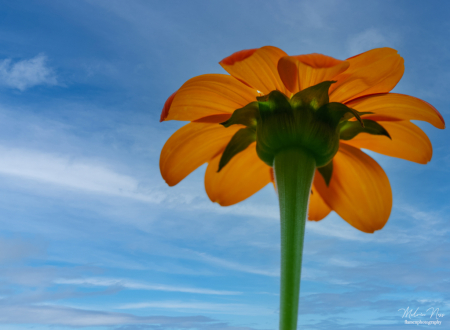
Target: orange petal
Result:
[190, 147]
[375, 71]
[257, 68]
[243, 176]
[408, 142]
[206, 95]
[398, 106]
[238, 56]
[167, 105]
[214, 119]
[303, 71]
[318, 209]
[359, 190]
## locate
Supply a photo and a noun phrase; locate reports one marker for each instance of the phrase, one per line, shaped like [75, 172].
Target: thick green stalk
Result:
[294, 171]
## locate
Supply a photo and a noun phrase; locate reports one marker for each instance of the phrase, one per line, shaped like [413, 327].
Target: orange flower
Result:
[359, 190]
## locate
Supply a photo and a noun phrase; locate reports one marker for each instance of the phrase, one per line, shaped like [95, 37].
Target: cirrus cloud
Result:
[26, 73]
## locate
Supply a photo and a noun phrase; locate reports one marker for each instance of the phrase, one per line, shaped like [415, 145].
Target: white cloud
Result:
[105, 282]
[180, 305]
[239, 267]
[26, 73]
[340, 262]
[236, 309]
[334, 226]
[366, 40]
[268, 211]
[73, 174]
[79, 317]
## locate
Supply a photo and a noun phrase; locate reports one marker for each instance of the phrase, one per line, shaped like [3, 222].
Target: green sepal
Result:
[315, 96]
[350, 115]
[272, 103]
[247, 116]
[239, 142]
[326, 172]
[333, 112]
[351, 129]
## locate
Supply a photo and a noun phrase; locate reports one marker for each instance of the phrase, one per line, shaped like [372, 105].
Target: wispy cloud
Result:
[340, 262]
[334, 226]
[70, 173]
[365, 40]
[236, 266]
[133, 285]
[55, 315]
[26, 73]
[236, 309]
[63, 316]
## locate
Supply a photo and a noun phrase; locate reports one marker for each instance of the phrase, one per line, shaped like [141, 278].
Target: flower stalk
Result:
[294, 172]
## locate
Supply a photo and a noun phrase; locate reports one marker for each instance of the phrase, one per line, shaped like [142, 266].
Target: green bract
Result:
[307, 121]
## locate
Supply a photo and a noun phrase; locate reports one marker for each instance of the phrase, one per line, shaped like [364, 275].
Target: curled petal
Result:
[375, 71]
[257, 68]
[303, 71]
[242, 177]
[317, 209]
[238, 56]
[167, 105]
[190, 147]
[393, 106]
[207, 95]
[407, 142]
[359, 190]
[319, 61]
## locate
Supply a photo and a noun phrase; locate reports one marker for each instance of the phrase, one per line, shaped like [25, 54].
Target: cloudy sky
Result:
[92, 237]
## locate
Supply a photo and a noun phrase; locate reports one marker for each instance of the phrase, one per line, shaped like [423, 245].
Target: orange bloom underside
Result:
[359, 190]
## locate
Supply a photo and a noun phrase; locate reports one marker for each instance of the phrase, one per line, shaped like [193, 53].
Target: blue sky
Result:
[91, 237]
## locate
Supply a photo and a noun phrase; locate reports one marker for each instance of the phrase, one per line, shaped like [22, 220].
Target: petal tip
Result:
[224, 203]
[167, 104]
[442, 120]
[369, 229]
[380, 49]
[166, 177]
[320, 61]
[171, 183]
[238, 56]
[441, 123]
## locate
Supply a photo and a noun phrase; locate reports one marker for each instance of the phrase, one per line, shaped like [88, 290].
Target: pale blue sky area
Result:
[91, 236]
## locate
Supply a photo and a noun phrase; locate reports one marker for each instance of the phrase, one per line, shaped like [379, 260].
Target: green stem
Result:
[294, 171]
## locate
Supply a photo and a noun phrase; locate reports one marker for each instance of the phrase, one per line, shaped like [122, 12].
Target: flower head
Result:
[349, 181]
